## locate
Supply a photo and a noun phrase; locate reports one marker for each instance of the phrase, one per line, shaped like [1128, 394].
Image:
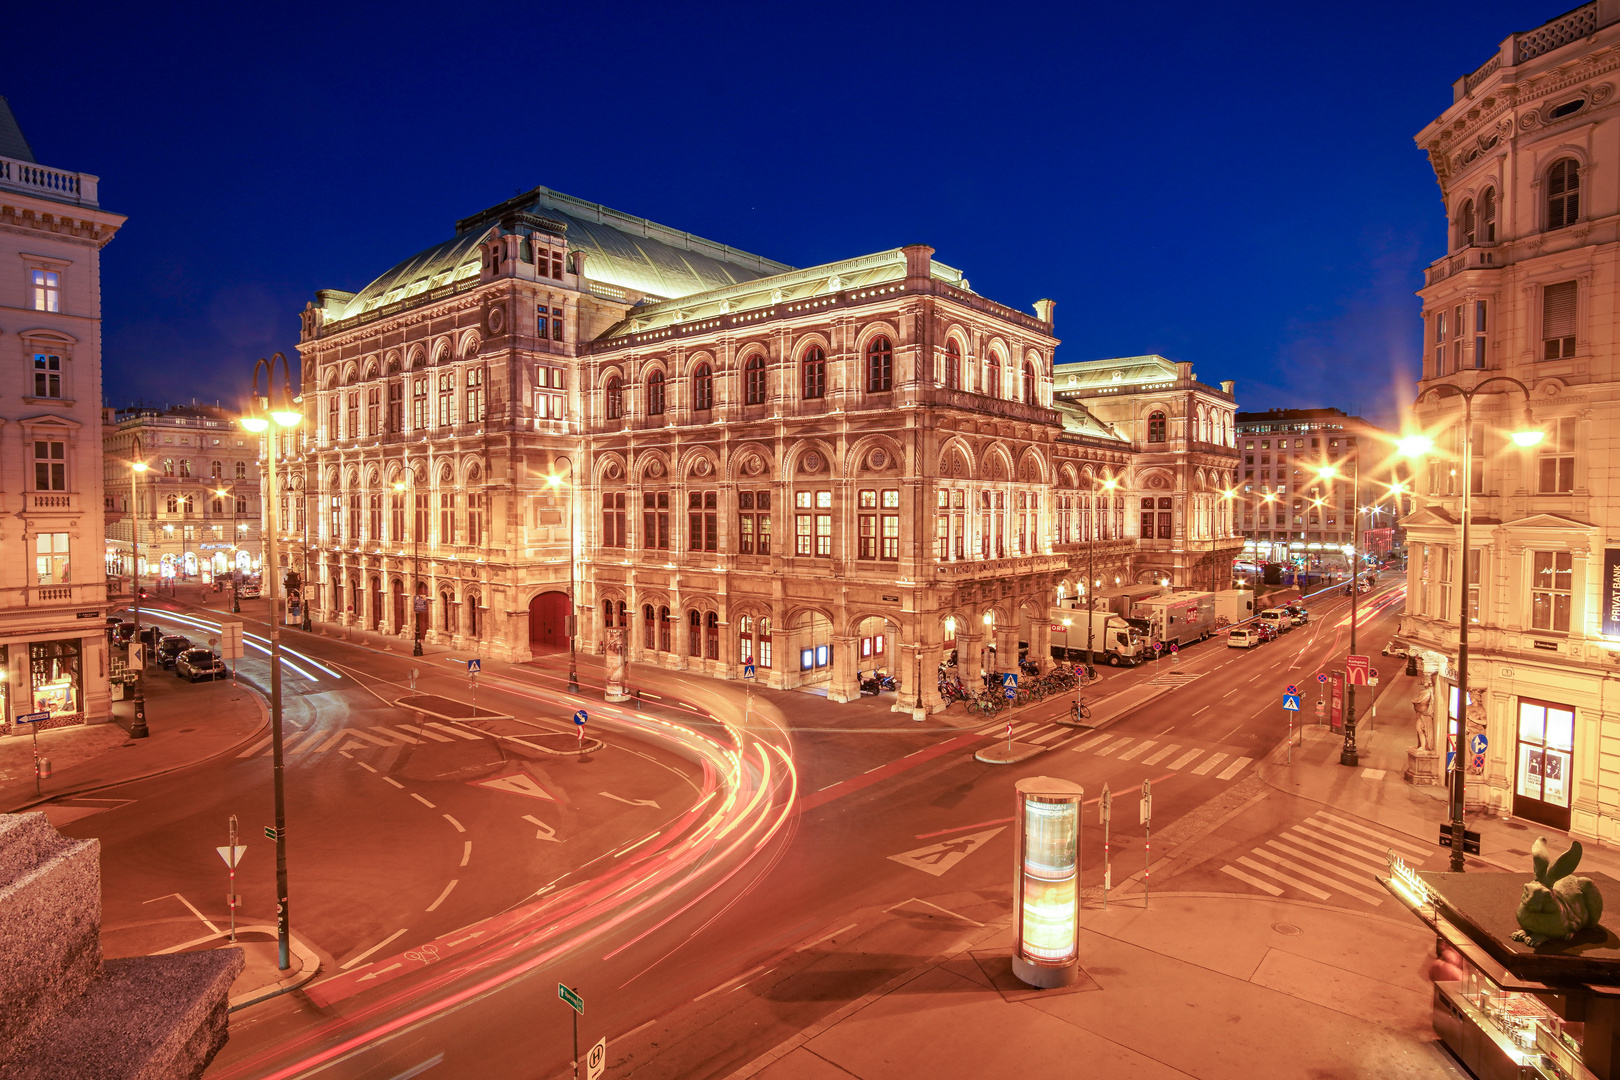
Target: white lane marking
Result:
[256, 747]
[364, 766]
[1234, 768]
[1342, 837]
[357, 733]
[1049, 736]
[197, 913]
[457, 824]
[1383, 837]
[1314, 876]
[434, 735]
[337, 736]
[1209, 763]
[936, 907]
[1205, 708]
[455, 731]
[347, 964]
[1160, 755]
[1098, 741]
[1355, 877]
[1311, 841]
[1110, 749]
[1137, 749]
[400, 740]
[444, 894]
[1308, 890]
[1184, 758]
[396, 783]
[1256, 882]
[423, 801]
[546, 831]
[825, 937]
[466, 850]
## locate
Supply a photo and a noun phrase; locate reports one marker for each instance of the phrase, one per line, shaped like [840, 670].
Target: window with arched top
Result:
[953, 366]
[613, 397]
[879, 366]
[1156, 427]
[241, 470]
[754, 380]
[694, 633]
[647, 626]
[216, 469]
[703, 388]
[1465, 223]
[1029, 383]
[992, 376]
[813, 372]
[655, 394]
[1563, 193]
[711, 636]
[1487, 217]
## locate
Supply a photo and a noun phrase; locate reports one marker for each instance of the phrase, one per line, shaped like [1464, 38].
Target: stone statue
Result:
[1423, 710]
[1557, 904]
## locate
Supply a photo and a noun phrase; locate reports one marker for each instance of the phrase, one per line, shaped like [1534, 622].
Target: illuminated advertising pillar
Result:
[1046, 882]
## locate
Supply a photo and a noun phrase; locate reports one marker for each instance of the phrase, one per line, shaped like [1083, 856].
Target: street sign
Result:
[1147, 803]
[1175, 647]
[1158, 645]
[1292, 689]
[1470, 838]
[232, 860]
[1477, 743]
[1357, 670]
[572, 998]
[33, 718]
[1105, 806]
[1009, 678]
[1291, 702]
[419, 605]
[596, 1059]
[474, 665]
[1321, 676]
[748, 671]
[231, 641]
[581, 716]
[1336, 702]
[270, 832]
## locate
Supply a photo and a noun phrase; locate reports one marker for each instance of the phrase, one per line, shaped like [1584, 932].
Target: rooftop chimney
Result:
[919, 262]
[1043, 310]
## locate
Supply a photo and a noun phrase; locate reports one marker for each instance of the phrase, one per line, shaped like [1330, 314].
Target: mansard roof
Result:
[1132, 371]
[13, 144]
[632, 253]
[1078, 420]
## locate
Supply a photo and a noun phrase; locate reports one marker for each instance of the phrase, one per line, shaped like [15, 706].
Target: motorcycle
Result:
[869, 687]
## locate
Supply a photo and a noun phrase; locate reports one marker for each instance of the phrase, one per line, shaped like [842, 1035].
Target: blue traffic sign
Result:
[1477, 743]
[748, 671]
[33, 718]
[474, 665]
[581, 716]
[1291, 702]
[1009, 678]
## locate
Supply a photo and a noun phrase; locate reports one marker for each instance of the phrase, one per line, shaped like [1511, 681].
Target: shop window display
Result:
[56, 677]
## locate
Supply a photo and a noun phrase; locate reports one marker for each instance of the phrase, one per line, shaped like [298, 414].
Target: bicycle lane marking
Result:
[893, 768]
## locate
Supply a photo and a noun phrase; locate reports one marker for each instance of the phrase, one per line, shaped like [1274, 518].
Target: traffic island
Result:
[1003, 753]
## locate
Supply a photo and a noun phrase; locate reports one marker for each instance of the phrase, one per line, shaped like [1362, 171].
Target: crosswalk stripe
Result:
[1234, 768]
[1344, 836]
[1354, 875]
[455, 731]
[1400, 842]
[392, 734]
[434, 735]
[1160, 755]
[1360, 849]
[304, 740]
[1309, 890]
[1137, 749]
[256, 747]
[357, 733]
[337, 737]
[1209, 763]
[1098, 741]
[1111, 749]
[1050, 735]
[1323, 878]
[1184, 758]
[1349, 858]
[1256, 882]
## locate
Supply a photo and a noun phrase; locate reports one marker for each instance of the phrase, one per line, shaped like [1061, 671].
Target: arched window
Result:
[694, 633]
[663, 629]
[1487, 217]
[992, 377]
[168, 466]
[814, 370]
[613, 395]
[219, 506]
[655, 394]
[623, 616]
[879, 366]
[646, 626]
[1563, 193]
[607, 613]
[185, 466]
[241, 470]
[1156, 427]
[216, 469]
[953, 366]
[703, 388]
[1029, 383]
[174, 504]
[762, 643]
[1465, 223]
[711, 623]
[754, 380]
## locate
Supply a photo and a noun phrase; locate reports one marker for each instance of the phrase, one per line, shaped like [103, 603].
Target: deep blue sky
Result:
[1235, 186]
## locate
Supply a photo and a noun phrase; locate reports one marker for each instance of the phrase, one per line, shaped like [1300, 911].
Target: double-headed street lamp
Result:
[1349, 755]
[1415, 446]
[416, 561]
[137, 724]
[275, 405]
[555, 479]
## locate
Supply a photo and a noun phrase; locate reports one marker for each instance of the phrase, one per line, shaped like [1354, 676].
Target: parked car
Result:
[1243, 638]
[248, 590]
[124, 633]
[1397, 647]
[1265, 630]
[170, 648]
[1298, 614]
[1278, 619]
[198, 664]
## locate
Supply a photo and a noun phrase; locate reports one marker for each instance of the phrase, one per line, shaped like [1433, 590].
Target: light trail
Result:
[257, 642]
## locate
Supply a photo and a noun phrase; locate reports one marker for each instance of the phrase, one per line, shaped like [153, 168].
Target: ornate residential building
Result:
[1527, 157]
[723, 459]
[53, 598]
[197, 504]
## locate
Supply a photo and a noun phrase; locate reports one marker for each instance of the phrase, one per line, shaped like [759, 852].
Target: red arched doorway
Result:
[548, 623]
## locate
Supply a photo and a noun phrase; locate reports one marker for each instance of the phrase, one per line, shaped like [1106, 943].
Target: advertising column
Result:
[1046, 881]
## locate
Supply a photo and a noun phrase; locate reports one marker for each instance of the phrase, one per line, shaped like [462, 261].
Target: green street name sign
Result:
[572, 998]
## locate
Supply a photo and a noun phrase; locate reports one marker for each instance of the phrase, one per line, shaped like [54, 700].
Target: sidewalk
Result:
[1199, 985]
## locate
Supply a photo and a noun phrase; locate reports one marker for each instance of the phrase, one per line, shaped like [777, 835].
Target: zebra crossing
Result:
[322, 740]
[1325, 856]
[1224, 765]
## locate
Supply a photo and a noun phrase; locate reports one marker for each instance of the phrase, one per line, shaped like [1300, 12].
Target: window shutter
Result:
[1558, 310]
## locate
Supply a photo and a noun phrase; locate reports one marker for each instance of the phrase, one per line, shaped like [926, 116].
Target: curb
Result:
[306, 957]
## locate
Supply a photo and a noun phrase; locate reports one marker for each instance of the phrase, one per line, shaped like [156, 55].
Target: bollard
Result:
[43, 766]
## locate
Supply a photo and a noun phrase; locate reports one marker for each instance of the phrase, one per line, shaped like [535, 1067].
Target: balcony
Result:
[1011, 410]
[52, 184]
[965, 570]
[1475, 257]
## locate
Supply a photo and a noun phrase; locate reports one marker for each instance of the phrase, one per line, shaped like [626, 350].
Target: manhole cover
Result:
[1286, 928]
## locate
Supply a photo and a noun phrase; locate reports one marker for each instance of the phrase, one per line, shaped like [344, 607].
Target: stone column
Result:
[844, 684]
[968, 668]
[924, 695]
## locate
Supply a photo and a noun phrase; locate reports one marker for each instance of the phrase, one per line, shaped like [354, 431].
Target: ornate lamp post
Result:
[275, 405]
[137, 725]
[1417, 445]
[1349, 755]
[555, 480]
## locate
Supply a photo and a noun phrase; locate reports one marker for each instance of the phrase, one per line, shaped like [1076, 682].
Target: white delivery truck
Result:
[1124, 600]
[1176, 618]
[1112, 638]
[1234, 605]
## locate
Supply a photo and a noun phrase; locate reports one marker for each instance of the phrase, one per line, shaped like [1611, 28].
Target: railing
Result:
[1582, 22]
[53, 184]
[973, 569]
[51, 502]
[604, 290]
[405, 304]
[1471, 81]
[1013, 410]
[1474, 257]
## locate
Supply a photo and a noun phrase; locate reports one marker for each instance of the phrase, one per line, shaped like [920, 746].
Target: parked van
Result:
[1242, 638]
[1278, 619]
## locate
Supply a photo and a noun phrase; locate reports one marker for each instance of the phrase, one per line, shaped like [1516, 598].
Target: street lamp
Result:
[1415, 446]
[275, 405]
[555, 480]
[137, 724]
[1349, 755]
[1091, 577]
[236, 602]
[416, 562]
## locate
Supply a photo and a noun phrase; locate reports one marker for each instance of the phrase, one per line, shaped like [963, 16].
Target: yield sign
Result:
[937, 858]
[517, 784]
[232, 856]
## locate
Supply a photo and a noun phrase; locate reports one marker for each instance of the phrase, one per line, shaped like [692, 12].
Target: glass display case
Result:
[1516, 1033]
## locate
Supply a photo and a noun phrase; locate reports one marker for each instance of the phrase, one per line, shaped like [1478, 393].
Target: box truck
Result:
[1115, 641]
[1234, 606]
[1123, 600]
[1177, 618]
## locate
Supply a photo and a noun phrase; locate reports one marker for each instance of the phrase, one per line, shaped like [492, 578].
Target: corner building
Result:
[828, 471]
[1528, 161]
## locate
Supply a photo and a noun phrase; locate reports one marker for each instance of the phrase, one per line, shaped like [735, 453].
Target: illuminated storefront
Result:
[1544, 754]
[56, 678]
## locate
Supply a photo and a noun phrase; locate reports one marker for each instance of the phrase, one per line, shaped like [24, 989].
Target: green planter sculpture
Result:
[1557, 904]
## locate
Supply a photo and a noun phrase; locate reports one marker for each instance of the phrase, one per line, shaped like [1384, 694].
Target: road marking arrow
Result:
[379, 971]
[629, 802]
[546, 831]
[458, 941]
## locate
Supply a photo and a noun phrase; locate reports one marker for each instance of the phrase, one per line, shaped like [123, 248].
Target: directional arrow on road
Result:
[379, 971]
[935, 859]
[629, 802]
[546, 831]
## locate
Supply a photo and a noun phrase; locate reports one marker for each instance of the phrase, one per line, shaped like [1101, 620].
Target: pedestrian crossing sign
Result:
[1291, 702]
[748, 671]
